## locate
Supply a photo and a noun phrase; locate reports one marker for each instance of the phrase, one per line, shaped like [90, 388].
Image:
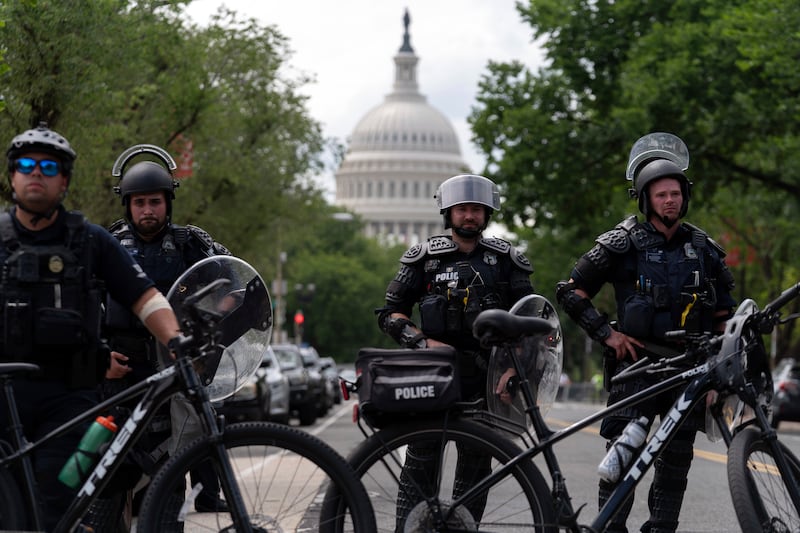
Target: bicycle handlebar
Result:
[770, 314]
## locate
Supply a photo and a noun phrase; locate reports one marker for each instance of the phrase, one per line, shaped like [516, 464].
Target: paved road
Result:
[707, 506]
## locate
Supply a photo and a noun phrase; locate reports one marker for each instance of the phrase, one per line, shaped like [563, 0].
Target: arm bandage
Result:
[155, 303]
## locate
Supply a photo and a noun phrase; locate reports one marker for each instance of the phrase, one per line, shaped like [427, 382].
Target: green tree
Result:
[349, 273]
[717, 73]
[138, 72]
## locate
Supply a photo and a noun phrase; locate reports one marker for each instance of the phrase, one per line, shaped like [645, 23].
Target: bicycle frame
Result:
[698, 382]
[154, 391]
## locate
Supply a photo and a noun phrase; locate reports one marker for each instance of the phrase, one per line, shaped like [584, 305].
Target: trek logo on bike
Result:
[669, 423]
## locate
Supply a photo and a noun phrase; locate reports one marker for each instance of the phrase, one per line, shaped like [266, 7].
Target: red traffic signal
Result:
[299, 318]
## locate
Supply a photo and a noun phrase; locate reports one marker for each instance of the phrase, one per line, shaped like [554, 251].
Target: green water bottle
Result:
[83, 460]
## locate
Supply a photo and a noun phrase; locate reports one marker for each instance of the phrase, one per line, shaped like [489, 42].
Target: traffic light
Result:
[299, 318]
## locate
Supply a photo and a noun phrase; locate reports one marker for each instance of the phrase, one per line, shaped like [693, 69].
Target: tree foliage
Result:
[109, 74]
[718, 73]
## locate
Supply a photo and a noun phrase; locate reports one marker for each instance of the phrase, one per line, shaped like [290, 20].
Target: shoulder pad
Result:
[504, 247]
[201, 235]
[119, 227]
[433, 246]
[498, 245]
[643, 236]
[628, 223]
[219, 249]
[440, 244]
[521, 261]
[616, 240]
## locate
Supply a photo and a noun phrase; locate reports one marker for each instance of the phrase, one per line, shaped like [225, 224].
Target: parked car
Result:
[304, 395]
[331, 373]
[311, 360]
[349, 374]
[786, 399]
[279, 387]
[251, 402]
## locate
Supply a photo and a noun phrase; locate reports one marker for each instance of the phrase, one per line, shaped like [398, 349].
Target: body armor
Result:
[673, 286]
[459, 286]
[51, 303]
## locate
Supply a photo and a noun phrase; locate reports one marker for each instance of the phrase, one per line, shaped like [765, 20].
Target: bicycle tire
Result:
[281, 473]
[520, 501]
[757, 486]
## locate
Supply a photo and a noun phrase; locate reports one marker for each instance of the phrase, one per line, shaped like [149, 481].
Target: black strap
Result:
[8, 233]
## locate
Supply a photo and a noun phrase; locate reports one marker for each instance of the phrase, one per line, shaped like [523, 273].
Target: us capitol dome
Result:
[398, 155]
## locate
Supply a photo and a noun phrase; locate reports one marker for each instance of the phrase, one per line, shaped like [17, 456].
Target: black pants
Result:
[44, 406]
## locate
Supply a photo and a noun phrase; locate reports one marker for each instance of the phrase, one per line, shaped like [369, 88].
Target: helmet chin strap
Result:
[37, 215]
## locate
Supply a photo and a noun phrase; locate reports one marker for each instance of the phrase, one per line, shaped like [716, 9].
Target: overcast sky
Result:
[349, 45]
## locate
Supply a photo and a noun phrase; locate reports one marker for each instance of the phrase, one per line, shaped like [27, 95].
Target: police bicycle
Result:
[271, 475]
[513, 494]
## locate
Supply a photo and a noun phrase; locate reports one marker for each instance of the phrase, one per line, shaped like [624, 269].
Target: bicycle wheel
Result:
[758, 488]
[520, 500]
[281, 473]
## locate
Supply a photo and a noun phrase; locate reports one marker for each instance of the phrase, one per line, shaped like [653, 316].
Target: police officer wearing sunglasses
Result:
[56, 269]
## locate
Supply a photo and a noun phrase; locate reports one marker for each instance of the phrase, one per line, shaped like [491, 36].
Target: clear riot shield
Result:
[541, 357]
[238, 311]
[657, 145]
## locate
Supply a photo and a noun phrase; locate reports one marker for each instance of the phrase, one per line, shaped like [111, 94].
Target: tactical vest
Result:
[458, 287]
[51, 303]
[672, 289]
[164, 261]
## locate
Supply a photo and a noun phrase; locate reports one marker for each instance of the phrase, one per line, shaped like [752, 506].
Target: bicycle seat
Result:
[7, 369]
[495, 326]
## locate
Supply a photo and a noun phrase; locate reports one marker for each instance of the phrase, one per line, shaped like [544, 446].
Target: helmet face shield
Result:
[468, 189]
[657, 145]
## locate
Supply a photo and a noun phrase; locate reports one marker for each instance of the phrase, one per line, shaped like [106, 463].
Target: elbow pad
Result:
[402, 330]
[583, 312]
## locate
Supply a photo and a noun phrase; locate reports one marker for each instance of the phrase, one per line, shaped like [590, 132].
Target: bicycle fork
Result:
[214, 428]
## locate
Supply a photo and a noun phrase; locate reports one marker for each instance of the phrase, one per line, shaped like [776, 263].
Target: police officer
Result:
[667, 275]
[165, 251]
[56, 267]
[453, 278]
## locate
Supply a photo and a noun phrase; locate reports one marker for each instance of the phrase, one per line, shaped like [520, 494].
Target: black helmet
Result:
[42, 139]
[467, 189]
[145, 176]
[655, 170]
[654, 156]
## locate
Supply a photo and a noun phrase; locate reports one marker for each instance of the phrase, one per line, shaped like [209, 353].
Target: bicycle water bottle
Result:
[83, 460]
[620, 453]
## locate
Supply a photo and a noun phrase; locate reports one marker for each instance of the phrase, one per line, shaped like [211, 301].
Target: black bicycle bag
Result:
[406, 382]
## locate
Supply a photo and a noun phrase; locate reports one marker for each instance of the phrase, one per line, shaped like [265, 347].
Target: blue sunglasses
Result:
[49, 168]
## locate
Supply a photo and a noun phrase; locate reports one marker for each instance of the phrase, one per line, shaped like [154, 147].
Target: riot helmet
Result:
[42, 139]
[145, 176]
[467, 189]
[655, 156]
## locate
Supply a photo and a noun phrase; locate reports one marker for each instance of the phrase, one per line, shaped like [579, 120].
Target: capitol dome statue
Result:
[398, 154]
